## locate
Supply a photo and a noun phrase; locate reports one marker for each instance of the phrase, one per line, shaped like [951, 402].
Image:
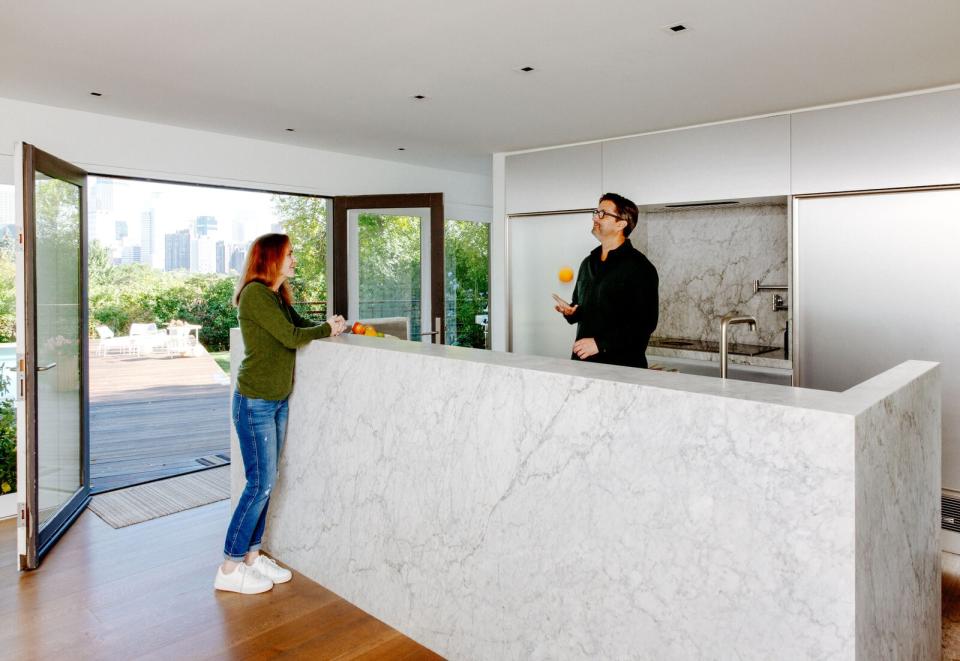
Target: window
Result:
[467, 283]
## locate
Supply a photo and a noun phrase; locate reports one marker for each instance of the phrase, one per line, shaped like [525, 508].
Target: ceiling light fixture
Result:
[526, 69]
[96, 94]
[418, 97]
[401, 149]
[676, 27]
[291, 130]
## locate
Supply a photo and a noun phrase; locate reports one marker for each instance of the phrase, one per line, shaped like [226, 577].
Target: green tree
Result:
[467, 281]
[8, 291]
[304, 219]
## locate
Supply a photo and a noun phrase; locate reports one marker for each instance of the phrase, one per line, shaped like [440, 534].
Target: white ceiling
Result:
[341, 73]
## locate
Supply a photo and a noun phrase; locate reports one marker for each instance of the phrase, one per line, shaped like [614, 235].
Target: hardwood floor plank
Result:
[146, 591]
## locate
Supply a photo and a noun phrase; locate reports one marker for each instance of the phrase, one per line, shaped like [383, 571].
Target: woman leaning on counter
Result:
[272, 330]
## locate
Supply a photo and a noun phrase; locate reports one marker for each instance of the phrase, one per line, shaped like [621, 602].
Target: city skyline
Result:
[208, 229]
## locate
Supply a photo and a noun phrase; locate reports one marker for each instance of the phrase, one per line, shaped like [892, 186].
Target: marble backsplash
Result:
[708, 259]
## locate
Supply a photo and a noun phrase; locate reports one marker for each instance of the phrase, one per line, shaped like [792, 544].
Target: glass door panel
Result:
[388, 262]
[57, 205]
[389, 268]
[53, 461]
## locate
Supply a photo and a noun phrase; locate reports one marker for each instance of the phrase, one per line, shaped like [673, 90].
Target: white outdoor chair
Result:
[146, 338]
[181, 340]
[110, 341]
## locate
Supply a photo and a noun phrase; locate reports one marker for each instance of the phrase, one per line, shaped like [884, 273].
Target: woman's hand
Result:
[337, 324]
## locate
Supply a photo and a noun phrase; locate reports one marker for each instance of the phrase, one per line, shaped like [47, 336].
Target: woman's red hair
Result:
[263, 264]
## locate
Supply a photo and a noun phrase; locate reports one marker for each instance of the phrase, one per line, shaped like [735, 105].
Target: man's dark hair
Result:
[625, 208]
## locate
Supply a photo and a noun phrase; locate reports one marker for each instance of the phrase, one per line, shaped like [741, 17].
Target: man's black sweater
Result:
[618, 305]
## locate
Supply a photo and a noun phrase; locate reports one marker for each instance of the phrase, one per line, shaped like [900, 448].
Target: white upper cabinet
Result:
[553, 180]
[750, 158]
[896, 143]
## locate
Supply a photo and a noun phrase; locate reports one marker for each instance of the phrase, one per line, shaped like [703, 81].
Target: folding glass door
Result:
[53, 456]
[388, 263]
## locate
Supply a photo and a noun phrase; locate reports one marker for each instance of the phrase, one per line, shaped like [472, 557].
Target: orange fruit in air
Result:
[565, 274]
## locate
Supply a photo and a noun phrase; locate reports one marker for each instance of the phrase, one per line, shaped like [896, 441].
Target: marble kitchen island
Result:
[496, 506]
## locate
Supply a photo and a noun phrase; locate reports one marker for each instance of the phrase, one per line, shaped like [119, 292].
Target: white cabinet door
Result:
[539, 248]
[737, 160]
[553, 180]
[897, 143]
[876, 283]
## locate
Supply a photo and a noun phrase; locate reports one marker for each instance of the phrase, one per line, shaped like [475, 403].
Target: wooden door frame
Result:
[343, 204]
[36, 160]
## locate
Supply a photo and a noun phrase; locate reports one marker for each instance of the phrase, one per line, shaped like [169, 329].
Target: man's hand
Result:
[564, 309]
[585, 347]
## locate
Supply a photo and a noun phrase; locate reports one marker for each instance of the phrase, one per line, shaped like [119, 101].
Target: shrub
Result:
[8, 442]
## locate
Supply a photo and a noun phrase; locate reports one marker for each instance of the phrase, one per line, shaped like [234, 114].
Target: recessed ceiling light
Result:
[676, 27]
[418, 97]
[526, 69]
[291, 130]
[96, 94]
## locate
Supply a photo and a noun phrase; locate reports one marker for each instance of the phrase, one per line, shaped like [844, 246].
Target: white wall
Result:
[113, 145]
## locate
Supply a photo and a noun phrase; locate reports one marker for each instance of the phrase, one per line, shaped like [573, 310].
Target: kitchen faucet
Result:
[725, 323]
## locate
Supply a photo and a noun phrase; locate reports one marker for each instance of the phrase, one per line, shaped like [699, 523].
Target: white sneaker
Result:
[243, 579]
[271, 569]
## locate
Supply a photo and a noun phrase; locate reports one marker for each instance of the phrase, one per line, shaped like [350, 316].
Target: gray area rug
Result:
[143, 502]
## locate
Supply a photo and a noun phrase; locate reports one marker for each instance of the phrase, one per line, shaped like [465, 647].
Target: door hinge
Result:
[23, 515]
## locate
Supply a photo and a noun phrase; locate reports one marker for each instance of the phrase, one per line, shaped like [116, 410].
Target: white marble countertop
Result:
[851, 401]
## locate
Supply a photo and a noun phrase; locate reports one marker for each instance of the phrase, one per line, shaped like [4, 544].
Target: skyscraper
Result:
[120, 230]
[221, 257]
[203, 255]
[146, 237]
[177, 251]
[130, 255]
[205, 225]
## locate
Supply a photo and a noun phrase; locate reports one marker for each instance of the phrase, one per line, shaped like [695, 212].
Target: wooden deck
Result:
[154, 416]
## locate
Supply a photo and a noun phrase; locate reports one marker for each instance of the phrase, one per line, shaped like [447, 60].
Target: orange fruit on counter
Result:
[565, 274]
[358, 328]
[370, 332]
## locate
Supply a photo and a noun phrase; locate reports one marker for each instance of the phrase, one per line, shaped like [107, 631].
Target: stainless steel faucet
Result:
[725, 323]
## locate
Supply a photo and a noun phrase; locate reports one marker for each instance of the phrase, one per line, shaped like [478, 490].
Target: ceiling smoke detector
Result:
[676, 28]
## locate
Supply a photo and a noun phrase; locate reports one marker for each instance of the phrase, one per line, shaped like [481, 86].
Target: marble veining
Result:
[708, 259]
[501, 507]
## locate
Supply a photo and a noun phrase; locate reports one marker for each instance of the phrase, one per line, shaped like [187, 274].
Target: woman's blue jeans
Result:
[261, 426]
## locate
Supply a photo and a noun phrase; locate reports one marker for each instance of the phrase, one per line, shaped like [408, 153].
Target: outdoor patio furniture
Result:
[182, 339]
[146, 338]
[109, 341]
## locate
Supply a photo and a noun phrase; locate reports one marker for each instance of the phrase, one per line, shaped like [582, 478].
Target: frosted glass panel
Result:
[540, 247]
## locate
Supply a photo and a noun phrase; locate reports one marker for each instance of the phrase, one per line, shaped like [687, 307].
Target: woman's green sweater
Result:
[271, 331]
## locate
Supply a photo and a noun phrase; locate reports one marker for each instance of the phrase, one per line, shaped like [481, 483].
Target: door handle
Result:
[436, 330]
[44, 368]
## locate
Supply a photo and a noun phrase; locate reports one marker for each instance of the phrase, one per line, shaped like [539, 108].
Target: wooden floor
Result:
[146, 592]
[153, 416]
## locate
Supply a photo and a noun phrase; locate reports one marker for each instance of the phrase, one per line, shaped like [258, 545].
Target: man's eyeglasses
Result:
[600, 214]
